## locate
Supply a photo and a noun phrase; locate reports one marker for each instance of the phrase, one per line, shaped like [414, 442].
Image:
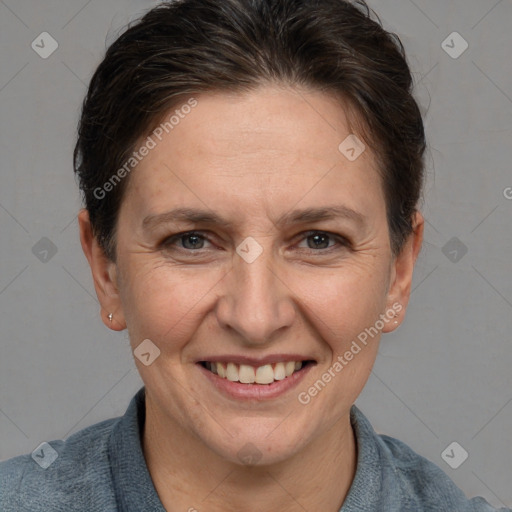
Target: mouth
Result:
[264, 375]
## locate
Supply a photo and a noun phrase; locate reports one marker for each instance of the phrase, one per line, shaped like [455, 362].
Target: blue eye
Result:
[195, 237]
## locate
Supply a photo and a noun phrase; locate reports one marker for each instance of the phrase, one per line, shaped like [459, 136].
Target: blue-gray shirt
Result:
[102, 468]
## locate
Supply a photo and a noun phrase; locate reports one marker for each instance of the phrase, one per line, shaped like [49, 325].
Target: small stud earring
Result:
[110, 316]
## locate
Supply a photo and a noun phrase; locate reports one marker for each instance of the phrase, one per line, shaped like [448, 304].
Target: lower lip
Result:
[255, 391]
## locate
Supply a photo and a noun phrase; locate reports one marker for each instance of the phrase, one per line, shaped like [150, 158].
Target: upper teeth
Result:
[247, 374]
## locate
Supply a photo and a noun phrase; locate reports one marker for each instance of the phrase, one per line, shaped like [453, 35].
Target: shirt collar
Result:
[367, 491]
[133, 486]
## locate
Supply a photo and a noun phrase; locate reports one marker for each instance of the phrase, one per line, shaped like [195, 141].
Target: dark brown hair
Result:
[185, 47]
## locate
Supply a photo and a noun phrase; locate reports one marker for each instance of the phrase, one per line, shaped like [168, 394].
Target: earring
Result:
[396, 321]
[110, 316]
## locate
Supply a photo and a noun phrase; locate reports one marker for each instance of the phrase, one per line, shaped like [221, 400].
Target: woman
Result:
[251, 171]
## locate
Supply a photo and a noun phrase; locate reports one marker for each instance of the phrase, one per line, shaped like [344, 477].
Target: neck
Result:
[188, 476]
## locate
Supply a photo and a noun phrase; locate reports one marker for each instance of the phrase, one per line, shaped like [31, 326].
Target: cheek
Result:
[345, 316]
[161, 301]
[344, 301]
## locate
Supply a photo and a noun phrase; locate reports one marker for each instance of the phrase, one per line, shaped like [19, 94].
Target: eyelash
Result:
[343, 242]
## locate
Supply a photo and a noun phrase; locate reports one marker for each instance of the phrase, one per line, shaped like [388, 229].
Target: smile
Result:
[247, 374]
[242, 381]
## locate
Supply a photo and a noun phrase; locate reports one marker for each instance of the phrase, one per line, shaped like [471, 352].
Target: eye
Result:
[320, 240]
[189, 241]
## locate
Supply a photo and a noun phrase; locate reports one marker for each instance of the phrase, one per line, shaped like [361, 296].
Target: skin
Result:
[252, 157]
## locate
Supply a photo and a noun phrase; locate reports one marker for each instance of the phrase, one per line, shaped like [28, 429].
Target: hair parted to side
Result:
[184, 47]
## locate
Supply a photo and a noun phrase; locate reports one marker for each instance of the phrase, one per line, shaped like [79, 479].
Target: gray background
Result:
[444, 376]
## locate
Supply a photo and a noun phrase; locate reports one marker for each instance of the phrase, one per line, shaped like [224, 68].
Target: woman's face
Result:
[259, 283]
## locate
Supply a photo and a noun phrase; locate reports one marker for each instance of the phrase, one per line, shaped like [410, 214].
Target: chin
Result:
[258, 448]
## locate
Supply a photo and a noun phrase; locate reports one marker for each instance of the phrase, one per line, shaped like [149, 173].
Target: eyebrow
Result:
[305, 215]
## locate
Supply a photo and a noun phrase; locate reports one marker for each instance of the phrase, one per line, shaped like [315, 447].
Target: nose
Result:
[256, 302]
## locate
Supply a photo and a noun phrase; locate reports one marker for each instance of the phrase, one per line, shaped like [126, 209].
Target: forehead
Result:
[274, 146]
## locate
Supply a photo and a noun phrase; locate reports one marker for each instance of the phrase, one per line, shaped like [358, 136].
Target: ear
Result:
[104, 274]
[401, 273]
